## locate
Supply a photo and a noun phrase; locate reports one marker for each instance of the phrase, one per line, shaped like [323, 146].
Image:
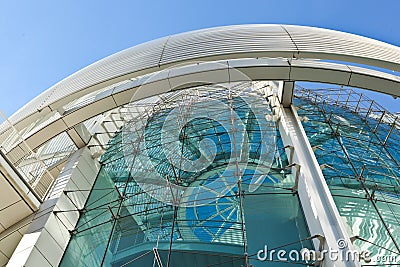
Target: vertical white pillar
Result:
[320, 210]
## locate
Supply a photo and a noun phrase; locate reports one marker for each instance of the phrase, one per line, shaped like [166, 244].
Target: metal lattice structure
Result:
[356, 147]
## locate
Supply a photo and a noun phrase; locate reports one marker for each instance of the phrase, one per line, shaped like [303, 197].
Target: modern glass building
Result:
[248, 145]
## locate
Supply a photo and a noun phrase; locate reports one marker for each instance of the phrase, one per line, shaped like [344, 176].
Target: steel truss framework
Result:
[125, 220]
[353, 139]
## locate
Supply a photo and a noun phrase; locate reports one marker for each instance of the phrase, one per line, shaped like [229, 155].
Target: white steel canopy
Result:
[260, 52]
[230, 42]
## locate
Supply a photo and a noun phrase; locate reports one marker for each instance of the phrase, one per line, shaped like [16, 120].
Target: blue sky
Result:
[42, 41]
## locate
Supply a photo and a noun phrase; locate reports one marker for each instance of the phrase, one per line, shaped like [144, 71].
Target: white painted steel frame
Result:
[212, 72]
[229, 42]
[319, 208]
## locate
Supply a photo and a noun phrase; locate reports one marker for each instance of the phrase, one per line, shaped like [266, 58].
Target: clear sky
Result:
[44, 41]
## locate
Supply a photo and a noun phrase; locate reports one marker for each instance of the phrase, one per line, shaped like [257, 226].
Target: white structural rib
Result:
[210, 72]
[319, 208]
[229, 42]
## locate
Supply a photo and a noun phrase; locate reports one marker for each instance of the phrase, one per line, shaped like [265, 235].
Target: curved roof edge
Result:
[227, 42]
[183, 77]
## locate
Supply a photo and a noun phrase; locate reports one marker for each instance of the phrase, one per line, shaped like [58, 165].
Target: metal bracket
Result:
[291, 150]
[297, 174]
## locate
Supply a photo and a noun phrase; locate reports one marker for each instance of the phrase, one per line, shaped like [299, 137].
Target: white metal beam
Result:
[320, 211]
[220, 72]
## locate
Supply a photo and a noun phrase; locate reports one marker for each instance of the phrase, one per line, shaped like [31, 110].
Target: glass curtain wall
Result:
[196, 178]
[356, 143]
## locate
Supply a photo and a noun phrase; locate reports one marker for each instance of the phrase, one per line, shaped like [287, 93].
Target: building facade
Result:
[248, 145]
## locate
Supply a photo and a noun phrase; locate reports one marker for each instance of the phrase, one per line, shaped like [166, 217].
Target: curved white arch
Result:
[218, 72]
[229, 42]
[262, 52]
